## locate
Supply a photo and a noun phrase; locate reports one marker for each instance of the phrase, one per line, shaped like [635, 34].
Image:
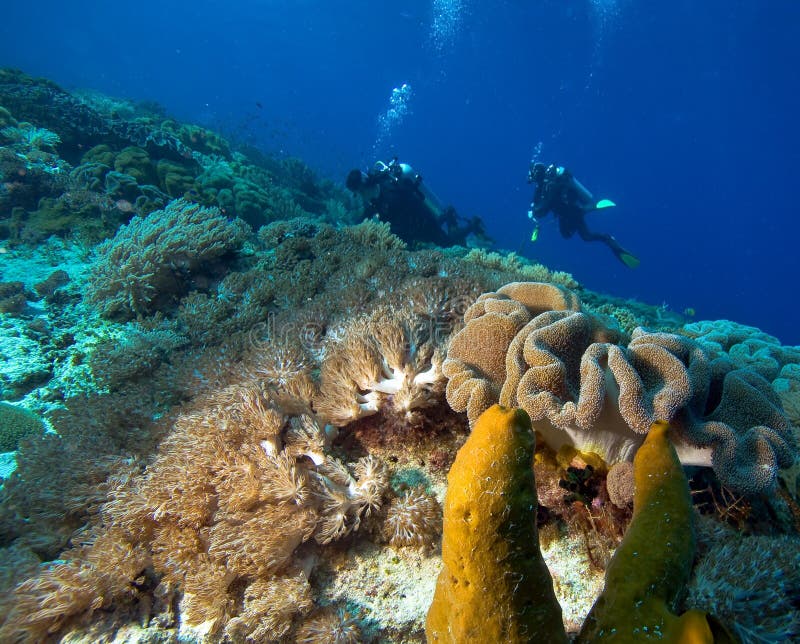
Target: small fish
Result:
[259, 105]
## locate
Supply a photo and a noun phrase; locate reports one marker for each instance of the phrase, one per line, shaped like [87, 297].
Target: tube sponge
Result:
[652, 564]
[495, 586]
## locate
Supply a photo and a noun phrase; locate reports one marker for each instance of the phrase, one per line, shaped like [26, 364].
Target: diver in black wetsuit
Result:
[557, 191]
[395, 192]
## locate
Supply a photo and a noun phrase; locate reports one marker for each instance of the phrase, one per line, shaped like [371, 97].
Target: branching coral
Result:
[582, 386]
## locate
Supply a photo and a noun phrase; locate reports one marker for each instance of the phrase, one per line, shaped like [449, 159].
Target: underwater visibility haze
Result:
[261, 382]
[684, 114]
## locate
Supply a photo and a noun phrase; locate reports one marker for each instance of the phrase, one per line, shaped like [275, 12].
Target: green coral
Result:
[102, 154]
[175, 179]
[202, 140]
[136, 163]
[16, 424]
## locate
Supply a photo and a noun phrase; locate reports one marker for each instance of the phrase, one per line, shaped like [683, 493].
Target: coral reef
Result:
[16, 425]
[248, 435]
[384, 358]
[748, 582]
[413, 519]
[475, 366]
[585, 386]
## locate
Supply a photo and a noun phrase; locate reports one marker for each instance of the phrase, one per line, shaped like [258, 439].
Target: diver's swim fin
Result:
[604, 203]
[629, 260]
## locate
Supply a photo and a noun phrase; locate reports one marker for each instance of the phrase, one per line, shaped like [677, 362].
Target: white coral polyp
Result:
[368, 403]
[428, 377]
[391, 384]
[270, 447]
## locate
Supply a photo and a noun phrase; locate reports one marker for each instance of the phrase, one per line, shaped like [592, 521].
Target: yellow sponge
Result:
[495, 586]
[653, 562]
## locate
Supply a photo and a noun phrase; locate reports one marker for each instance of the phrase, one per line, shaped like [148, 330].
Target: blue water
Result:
[682, 112]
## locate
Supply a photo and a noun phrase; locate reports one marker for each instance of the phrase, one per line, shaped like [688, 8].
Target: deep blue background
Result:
[683, 112]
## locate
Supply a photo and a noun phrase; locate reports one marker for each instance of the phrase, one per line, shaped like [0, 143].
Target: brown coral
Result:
[385, 360]
[413, 519]
[269, 606]
[582, 386]
[222, 508]
[329, 627]
[476, 360]
[619, 484]
[147, 264]
[748, 433]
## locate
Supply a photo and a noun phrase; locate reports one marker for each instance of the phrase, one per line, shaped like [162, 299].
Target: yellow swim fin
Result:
[629, 260]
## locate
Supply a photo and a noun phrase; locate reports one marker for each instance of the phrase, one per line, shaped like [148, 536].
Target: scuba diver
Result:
[395, 192]
[557, 191]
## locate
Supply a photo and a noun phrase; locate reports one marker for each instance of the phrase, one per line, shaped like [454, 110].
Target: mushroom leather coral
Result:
[476, 363]
[495, 586]
[586, 386]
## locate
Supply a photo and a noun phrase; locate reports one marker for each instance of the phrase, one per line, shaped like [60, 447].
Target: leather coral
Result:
[588, 386]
